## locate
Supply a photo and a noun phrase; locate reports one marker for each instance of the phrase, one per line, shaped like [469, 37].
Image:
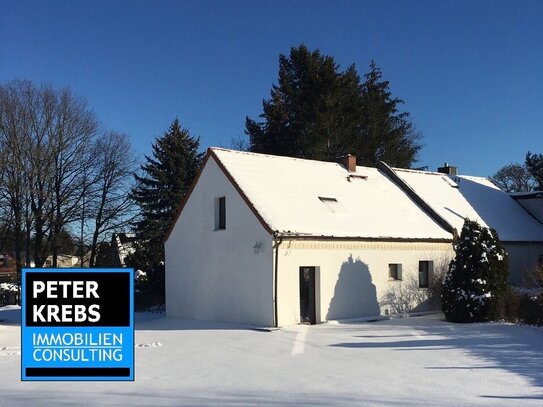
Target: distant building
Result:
[63, 260]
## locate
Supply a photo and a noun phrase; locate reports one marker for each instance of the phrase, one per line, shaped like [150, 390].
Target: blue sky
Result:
[471, 73]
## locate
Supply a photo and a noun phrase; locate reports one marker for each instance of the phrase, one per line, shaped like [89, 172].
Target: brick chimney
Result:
[447, 169]
[348, 161]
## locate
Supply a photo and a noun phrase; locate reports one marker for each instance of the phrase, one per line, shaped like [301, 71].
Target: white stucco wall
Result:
[523, 259]
[351, 276]
[215, 275]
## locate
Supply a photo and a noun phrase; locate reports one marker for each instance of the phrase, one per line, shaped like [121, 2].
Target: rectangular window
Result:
[395, 271]
[541, 261]
[425, 268]
[220, 213]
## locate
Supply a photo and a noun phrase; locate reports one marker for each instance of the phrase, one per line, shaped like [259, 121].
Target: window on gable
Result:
[425, 269]
[395, 271]
[220, 213]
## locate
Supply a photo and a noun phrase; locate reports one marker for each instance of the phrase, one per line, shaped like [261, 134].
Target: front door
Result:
[307, 295]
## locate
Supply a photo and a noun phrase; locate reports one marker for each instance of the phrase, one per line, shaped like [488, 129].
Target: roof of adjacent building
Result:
[315, 198]
[457, 197]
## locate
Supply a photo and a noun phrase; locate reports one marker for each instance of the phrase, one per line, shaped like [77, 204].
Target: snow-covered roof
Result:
[318, 198]
[124, 245]
[456, 197]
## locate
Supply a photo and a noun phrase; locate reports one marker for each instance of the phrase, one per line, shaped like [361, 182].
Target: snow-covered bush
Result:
[477, 277]
[9, 287]
[140, 275]
[9, 294]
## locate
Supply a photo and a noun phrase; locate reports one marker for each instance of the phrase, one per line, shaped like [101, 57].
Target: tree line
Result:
[61, 178]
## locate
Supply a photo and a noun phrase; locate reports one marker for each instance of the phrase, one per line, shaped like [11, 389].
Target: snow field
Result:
[408, 362]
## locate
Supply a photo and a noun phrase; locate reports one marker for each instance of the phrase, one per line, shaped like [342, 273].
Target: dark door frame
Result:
[308, 309]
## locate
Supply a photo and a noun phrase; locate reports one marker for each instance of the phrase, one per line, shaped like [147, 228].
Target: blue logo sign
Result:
[77, 324]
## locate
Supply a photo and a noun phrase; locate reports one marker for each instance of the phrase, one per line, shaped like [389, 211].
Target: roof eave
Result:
[211, 153]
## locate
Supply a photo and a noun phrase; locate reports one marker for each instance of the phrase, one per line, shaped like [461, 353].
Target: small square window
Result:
[425, 268]
[395, 271]
[220, 213]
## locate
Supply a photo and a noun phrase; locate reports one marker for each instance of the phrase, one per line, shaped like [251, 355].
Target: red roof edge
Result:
[211, 153]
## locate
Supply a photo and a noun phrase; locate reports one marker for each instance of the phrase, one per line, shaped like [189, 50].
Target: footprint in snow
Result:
[149, 345]
[10, 351]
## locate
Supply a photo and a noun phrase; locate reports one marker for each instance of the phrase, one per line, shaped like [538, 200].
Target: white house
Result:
[277, 241]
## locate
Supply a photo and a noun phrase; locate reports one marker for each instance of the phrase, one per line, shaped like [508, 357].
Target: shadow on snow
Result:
[516, 349]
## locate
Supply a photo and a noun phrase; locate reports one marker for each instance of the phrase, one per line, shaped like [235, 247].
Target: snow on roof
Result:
[125, 245]
[318, 198]
[456, 197]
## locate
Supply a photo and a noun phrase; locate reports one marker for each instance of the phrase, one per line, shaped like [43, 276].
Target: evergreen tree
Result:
[309, 111]
[534, 164]
[166, 178]
[387, 134]
[477, 277]
[319, 112]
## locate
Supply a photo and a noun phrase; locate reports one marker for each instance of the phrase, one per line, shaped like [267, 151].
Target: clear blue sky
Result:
[471, 73]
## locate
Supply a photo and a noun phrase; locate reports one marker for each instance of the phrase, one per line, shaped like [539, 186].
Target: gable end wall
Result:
[215, 275]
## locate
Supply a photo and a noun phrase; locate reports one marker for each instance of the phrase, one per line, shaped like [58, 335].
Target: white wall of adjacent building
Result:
[351, 276]
[524, 259]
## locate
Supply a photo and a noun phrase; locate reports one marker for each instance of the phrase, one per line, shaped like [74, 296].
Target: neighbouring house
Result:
[456, 197]
[276, 241]
[63, 260]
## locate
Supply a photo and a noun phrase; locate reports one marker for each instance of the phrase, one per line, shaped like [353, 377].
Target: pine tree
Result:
[166, 178]
[477, 277]
[387, 134]
[310, 111]
[319, 112]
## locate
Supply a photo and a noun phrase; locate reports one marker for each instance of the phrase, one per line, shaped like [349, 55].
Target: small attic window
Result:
[332, 204]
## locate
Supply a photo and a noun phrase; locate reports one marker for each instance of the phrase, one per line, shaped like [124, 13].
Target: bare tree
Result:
[14, 141]
[240, 143]
[513, 178]
[55, 172]
[112, 206]
[72, 129]
[41, 104]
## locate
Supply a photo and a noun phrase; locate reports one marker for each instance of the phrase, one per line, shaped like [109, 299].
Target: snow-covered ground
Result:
[410, 362]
